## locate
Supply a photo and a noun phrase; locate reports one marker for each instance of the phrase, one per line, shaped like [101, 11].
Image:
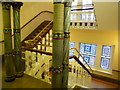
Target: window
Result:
[96, 55]
[88, 13]
[87, 4]
[106, 56]
[84, 2]
[72, 45]
[74, 2]
[89, 53]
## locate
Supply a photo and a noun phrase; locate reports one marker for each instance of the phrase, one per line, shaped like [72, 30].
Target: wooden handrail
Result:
[39, 51]
[116, 70]
[39, 33]
[82, 58]
[30, 21]
[35, 17]
[50, 54]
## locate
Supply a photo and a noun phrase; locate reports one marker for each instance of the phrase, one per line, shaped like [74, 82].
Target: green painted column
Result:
[9, 63]
[67, 10]
[17, 39]
[58, 36]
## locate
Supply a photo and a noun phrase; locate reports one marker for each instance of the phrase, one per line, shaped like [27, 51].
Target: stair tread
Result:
[38, 29]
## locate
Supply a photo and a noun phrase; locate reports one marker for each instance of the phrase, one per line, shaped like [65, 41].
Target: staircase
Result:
[37, 54]
[37, 30]
[38, 34]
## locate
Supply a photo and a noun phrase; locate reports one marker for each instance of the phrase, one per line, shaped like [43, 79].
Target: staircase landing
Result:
[25, 82]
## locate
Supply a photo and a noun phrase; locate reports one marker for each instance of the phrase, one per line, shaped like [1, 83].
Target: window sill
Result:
[101, 71]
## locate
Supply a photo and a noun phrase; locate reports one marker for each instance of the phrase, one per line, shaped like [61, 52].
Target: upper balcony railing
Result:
[83, 17]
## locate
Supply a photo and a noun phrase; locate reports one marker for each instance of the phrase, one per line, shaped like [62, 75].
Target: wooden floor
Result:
[97, 83]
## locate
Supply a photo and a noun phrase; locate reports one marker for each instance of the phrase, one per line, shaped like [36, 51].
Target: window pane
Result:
[93, 49]
[72, 45]
[106, 51]
[106, 56]
[105, 63]
[84, 2]
[87, 58]
[92, 61]
[74, 2]
[88, 48]
[87, 16]
[88, 51]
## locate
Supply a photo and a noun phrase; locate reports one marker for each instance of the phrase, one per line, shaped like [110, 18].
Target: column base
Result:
[19, 74]
[10, 79]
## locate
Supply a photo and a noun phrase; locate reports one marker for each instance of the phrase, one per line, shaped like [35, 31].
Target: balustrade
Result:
[78, 75]
[41, 69]
[39, 65]
[83, 20]
[83, 25]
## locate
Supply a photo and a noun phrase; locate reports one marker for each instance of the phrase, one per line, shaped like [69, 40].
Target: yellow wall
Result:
[30, 9]
[1, 29]
[99, 37]
[119, 36]
[107, 15]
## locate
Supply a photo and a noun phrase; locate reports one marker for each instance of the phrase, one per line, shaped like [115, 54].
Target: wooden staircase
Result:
[37, 35]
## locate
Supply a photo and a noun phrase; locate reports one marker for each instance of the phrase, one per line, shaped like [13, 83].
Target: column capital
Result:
[6, 5]
[17, 5]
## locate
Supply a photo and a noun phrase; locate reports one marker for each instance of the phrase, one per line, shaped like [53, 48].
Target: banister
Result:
[82, 58]
[30, 21]
[35, 17]
[80, 63]
[50, 54]
[39, 51]
[39, 33]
